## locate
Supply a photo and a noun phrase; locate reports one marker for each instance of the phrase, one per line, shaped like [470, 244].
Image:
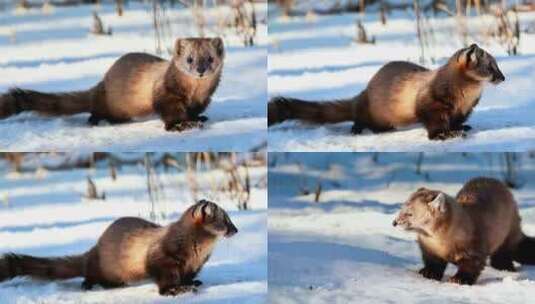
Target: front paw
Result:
[195, 283]
[176, 290]
[466, 128]
[462, 279]
[87, 285]
[356, 129]
[201, 118]
[448, 135]
[184, 125]
[430, 274]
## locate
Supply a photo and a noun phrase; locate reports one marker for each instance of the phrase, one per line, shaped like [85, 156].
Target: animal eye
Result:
[190, 59]
[210, 59]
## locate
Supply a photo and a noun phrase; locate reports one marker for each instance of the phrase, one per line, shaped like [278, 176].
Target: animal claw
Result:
[176, 290]
[430, 274]
[449, 134]
[186, 125]
[201, 118]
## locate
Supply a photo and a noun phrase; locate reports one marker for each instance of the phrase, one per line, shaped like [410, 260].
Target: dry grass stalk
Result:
[92, 192]
[362, 37]
[508, 29]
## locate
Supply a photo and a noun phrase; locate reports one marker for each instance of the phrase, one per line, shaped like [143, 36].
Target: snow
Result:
[45, 214]
[53, 51]
[314, 57]
[344, 249]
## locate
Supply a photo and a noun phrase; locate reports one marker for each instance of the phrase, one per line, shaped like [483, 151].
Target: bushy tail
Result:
[525, 251]
[54, 104]
[13, 265]
[283, 108]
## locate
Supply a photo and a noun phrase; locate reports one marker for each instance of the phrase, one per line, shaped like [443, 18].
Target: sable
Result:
[132, 249]
[481, 221]
[137, 85]
[403, 93]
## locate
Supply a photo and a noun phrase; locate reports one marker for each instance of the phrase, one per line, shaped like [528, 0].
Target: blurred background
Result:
[502, 17]
[331, 234]
[222, 17]
[55, 204]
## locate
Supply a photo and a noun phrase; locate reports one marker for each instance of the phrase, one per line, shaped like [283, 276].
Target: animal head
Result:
[199, 57]
[478, 64]
[423, 211]
[212, 219]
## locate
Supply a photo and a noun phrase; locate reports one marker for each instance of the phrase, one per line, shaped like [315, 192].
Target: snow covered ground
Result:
[44, 214]
[54, 52]
[344, 248]
[314, 57]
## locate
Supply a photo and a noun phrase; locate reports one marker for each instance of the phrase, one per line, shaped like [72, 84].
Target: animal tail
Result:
[18, 100]
[525, 251]
[13, 265]
[284, 108]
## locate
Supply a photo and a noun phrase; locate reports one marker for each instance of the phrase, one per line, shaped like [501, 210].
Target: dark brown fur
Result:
[403, 93]
[481, 221]
[132, 249]
[137, 85]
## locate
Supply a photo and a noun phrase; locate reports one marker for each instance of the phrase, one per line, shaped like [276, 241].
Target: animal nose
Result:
[231, 230]
[498, 77]
[394, 223]
[201, 69]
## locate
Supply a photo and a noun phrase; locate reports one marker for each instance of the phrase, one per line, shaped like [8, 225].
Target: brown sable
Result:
[403, 93]
[481, 221]
[133, 249]
[138, 85]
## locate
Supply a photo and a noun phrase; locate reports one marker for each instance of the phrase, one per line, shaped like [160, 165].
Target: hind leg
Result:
[357, 128]
[95, 119]
[92, 270]
[114, 120]
[502, 260]
[93, 274]
[468, 271]
[88, 284]
[381, 129]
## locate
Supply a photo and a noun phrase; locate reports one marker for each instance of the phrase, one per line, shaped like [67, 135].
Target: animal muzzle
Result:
[201, 70]
[202, 66]
[497, 77]
[231, 230]
[400, 222]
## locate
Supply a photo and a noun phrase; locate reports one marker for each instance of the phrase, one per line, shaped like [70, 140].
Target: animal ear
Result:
[208, 210]
[421, 189]
[471, 53]
[217, 43]
[439, 203]
[465, 55]
[179, 45]
[203, 210]
[198, 212]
